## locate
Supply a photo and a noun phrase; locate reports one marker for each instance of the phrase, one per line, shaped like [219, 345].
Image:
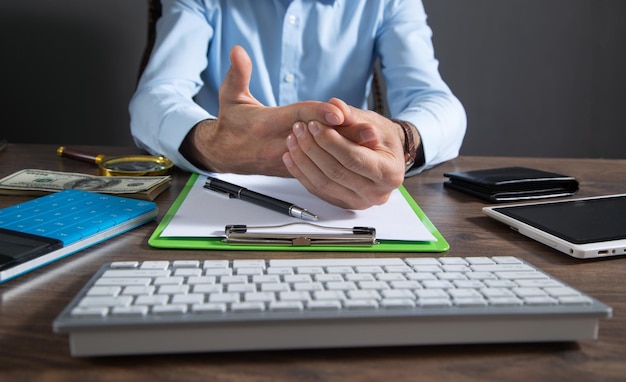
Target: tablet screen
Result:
[577, 221]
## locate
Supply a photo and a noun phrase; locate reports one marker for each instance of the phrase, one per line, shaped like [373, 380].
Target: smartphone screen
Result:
[18, 247]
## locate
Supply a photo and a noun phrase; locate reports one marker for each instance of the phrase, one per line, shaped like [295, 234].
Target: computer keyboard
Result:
[148, 307]
[45, 229]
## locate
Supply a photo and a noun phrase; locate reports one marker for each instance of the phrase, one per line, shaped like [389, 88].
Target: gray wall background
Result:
[537, 77]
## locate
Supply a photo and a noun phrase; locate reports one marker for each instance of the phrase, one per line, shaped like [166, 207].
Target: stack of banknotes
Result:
[41, 182]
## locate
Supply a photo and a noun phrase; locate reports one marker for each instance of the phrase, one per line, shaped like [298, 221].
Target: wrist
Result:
[413, 151]
[190, 147]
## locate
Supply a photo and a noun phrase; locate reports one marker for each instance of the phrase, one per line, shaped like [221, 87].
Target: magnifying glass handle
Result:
[80, 155]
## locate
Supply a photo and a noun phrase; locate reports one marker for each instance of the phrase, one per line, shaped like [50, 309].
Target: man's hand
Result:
[248, 137]
[349, 157]
[354, 165]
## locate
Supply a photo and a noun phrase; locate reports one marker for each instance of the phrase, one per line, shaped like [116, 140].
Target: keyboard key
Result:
[111, 291]
[341, 285]
[469, 301]
[130, 311]
[144, 290]
[259, 296]
[324, 305]
[505, 301]
[105, 301]
[125, 264]
[529, 292]
[248, 307]
[464, 293]
[194, 298]
[164, 280]
[248, 264]
[241, 288]
[224, 297]
[218, 271]
[373, 285]
[186, 264]
[398, 303]
[286, 306]
[294, 296]
[361, 304]
[435, 303]
[453, 261]
[207, 288]
[208, 308]
[188, 272]
[132, 273]
[215, 264]
[121, 281]
[398, 294]
[274, 287]
[575, 300]
[152, 300]
[89, 312]
[173, 289]
[178, 309]
[329, 295]
[155, 265]
[497, 292]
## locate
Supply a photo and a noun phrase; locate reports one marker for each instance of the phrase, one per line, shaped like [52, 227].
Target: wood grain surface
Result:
[29, 350]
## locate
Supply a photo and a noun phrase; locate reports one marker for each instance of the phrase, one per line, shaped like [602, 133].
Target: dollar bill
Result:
[41, 182]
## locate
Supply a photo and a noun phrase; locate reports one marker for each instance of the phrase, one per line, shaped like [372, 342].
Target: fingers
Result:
[324, 112]
[236, 85]
[361, 133]
[364, 134]
[346, 110]
[335, 169]
[315, 181]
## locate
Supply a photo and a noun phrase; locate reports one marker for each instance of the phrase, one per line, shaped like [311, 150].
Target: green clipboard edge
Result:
[216, 243]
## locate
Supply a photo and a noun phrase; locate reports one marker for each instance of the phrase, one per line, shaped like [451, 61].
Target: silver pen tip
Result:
[306, 215]
[301, 213]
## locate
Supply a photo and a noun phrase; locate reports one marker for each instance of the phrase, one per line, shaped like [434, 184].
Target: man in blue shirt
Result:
[280, 87]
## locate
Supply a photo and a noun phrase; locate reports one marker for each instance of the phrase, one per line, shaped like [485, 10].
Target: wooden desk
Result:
[29, 350]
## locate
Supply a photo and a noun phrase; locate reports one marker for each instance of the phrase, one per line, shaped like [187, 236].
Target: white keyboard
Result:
[227, 305]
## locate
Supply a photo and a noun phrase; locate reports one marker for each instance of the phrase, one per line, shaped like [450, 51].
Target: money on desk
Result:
[40, 182]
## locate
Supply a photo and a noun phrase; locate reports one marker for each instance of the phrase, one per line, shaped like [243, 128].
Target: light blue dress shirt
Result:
[300, 50]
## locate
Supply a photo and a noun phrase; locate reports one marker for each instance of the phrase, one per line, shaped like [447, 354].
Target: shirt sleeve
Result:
[162, 109]
[416, 91]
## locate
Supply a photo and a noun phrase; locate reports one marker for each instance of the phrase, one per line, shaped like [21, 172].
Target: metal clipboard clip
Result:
[243, 234]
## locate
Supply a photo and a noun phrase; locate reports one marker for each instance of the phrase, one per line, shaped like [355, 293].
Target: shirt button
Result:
[292, 19]
[289, 77]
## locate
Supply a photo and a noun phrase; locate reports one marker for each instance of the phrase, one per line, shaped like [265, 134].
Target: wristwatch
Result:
[410, 149]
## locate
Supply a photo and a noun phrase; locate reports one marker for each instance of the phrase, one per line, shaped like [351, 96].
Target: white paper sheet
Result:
[205, 213]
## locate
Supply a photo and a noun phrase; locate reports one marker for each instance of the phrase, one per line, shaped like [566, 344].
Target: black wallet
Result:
[512, 184]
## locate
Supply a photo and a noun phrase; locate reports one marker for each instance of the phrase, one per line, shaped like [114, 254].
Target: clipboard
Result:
[156, 240]
[244, 234]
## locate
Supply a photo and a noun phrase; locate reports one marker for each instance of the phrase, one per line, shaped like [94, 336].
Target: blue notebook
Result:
[42, 230]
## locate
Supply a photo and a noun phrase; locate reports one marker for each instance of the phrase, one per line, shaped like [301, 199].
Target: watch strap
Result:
[410, 148]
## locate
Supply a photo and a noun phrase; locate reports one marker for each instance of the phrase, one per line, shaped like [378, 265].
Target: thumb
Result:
[348, 116]
[236, 85]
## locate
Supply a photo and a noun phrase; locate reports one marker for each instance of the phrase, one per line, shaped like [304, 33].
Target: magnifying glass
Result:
[131, 165]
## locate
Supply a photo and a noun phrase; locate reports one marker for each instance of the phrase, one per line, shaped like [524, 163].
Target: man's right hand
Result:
[248, 137]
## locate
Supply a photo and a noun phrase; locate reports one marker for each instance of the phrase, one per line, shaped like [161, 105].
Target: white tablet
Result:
[585, 228]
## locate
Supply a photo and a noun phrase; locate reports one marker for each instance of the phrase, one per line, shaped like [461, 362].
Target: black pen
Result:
[243, 193]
